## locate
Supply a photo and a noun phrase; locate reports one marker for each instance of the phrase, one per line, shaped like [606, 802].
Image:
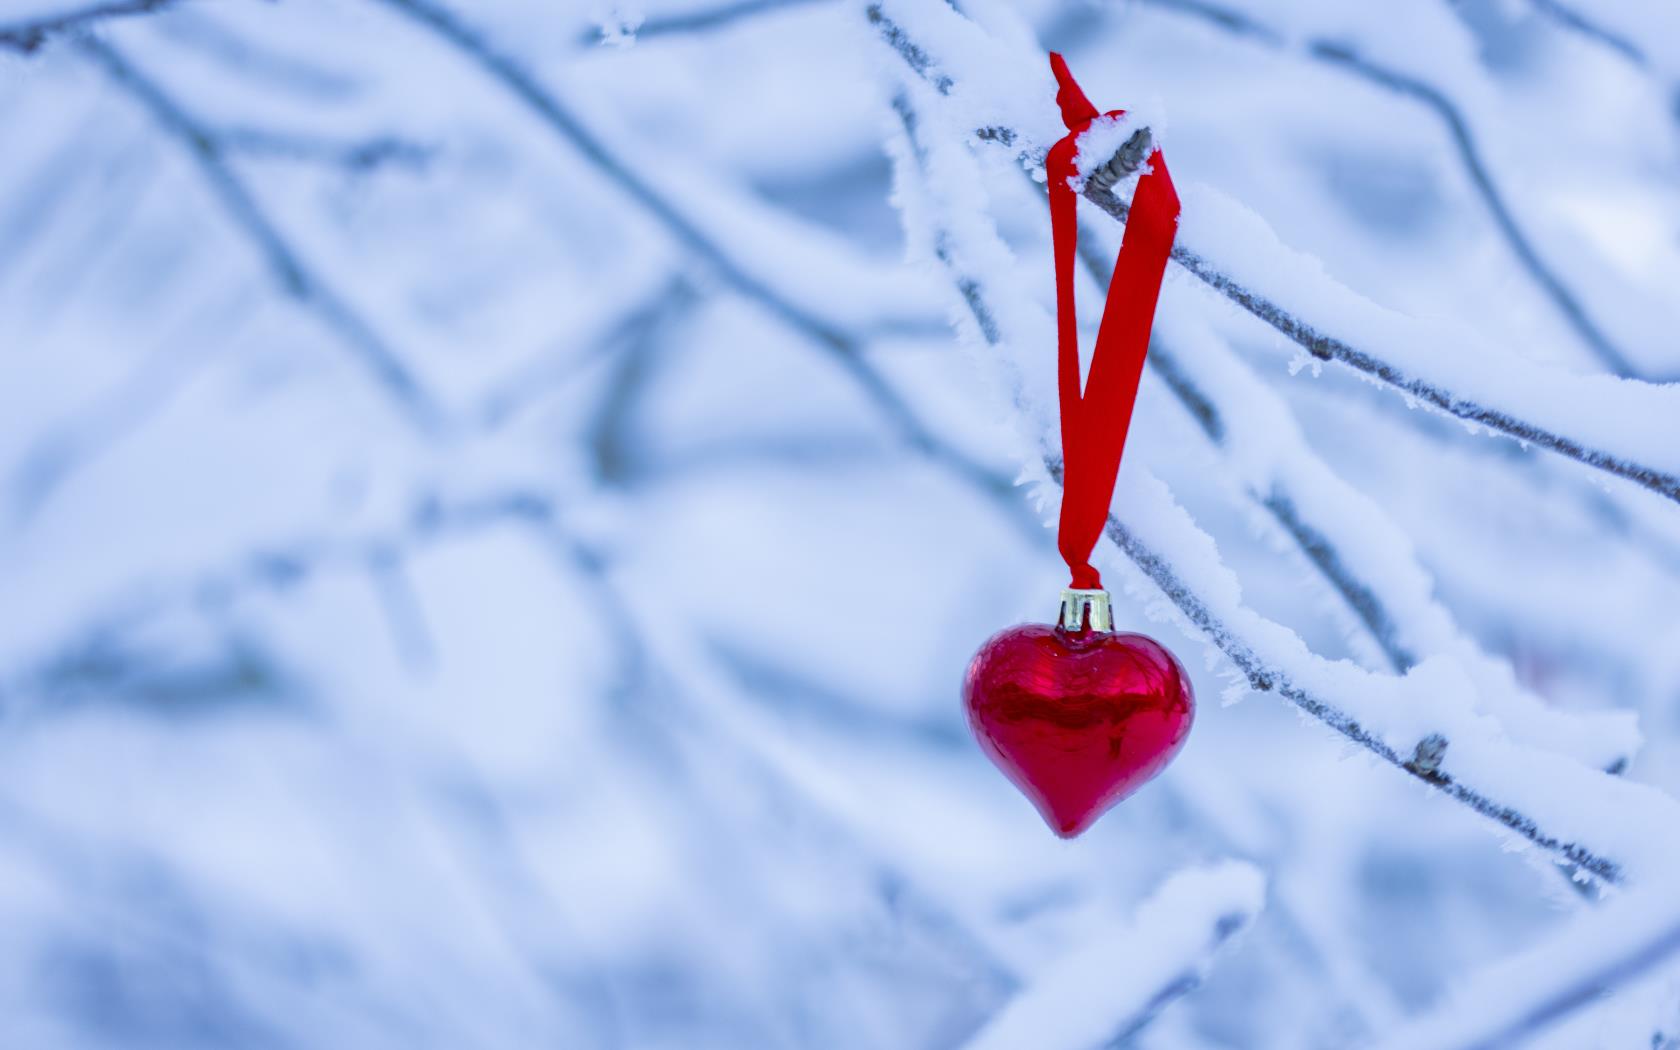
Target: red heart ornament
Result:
[1077, 719]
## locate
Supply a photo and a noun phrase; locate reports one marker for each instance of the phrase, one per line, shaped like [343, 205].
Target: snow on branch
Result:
[1596, 954]
[546, 105]
[28, 35]
[1343, 57]
[1363, 555]
[1113, 986]
[693, 234]
[393, 376]
[1575, 21]
[356, 155]
[1622, 427]
[1367, 559]
[652, 656]
[1356, 547]
[1567, 301]
[702, 20]
[1425, 723]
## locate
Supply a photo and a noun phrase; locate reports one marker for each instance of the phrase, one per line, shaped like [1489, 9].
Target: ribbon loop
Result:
[1094, 424]
[1077, 110]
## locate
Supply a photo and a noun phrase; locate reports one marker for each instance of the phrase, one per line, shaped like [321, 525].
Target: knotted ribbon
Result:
[1094, 424]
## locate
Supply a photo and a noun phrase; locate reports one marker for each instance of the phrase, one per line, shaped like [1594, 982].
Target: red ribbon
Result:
[1094, 426]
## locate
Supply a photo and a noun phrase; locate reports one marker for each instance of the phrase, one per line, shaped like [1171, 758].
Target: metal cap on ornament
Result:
[1085, 610]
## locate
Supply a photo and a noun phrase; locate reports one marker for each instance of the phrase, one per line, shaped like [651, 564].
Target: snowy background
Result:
[496, 502]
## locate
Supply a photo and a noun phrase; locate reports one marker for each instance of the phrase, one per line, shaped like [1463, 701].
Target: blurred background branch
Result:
[29, 33]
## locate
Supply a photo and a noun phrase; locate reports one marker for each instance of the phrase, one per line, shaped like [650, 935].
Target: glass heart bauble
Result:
[1077, 719]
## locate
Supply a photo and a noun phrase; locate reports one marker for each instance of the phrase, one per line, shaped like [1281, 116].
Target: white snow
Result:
[1126, 970]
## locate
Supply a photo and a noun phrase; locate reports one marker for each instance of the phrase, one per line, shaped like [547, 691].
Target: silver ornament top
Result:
[1079, 603]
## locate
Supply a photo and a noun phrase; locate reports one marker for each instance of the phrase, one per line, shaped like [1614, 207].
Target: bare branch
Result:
[27, 36]
[1327, 347]
[294, 276]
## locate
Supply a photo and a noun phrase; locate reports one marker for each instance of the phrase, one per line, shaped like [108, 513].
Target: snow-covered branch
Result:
[1597, 954]
[295, 277]
[1476, 383]
[1573, 19]
[1358, 550]
[1341, 56]
[705, 19]
[1112, 986]
[1356, 547]
[1352, 543]
[1269, 656]
[29, 34]
[1424, 759]
[356, 155]
[651, 660]
[841, 344]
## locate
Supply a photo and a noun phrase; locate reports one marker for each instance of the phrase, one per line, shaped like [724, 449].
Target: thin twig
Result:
[914, 55]
[1572, 19]
[1625, 47]
[294, 276]
[356, 155]
[259, 61]
[550, 368]
[27, 36]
